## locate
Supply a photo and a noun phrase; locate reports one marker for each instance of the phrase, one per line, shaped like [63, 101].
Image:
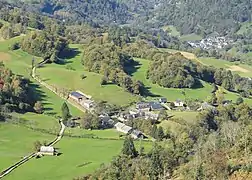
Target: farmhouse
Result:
[179, 103]
[123, 128]
[155, 106]
[87, 103]
[47, 150]
[76, 96]
[151, 115]
[137, 134]
[143, 106]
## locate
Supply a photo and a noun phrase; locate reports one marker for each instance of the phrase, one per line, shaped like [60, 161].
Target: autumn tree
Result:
[129, 148]
[38, 107]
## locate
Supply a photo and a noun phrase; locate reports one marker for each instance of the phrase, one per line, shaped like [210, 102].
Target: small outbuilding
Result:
[179, 103]
[136, 134]
[47, 150]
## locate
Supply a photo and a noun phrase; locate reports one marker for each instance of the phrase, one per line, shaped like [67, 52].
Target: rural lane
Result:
[30, 156]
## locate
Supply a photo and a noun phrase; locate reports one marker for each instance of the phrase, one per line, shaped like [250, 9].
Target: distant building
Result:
[76, 96]
[151, 115]
[163, 100]
[123, 128]
[47, 150]
[143, 106]
[179, 103]
[137, 134]
[155, 106]
[87, 103]
[206, 106]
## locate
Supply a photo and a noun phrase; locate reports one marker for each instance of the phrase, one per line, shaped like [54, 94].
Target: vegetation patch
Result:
[238, 68]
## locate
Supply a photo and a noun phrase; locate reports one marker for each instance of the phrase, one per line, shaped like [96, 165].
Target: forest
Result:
[15, 94]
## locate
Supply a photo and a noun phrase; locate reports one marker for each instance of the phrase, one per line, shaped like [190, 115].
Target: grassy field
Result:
[172, 30]
[190, 37]
[171, 93]
[241, 69]
[79, 156]
[244, 28]
[71, 79]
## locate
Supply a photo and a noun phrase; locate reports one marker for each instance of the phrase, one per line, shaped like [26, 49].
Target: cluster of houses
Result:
[211, 43]
[82, 99]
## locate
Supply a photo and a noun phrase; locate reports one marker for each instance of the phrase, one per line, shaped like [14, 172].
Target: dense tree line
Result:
[108, 60]
[15, 94]
[179, 72]
[215, 147]
[43, 44]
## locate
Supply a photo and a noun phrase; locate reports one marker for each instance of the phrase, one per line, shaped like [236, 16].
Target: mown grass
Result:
[79, 156]
[190, 37]
[172, 30]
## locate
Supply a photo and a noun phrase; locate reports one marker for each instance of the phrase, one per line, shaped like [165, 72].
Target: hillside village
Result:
[148, 110]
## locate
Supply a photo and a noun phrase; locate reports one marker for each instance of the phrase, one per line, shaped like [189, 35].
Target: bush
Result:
[69, 67]
[14, 46]
[83, 76]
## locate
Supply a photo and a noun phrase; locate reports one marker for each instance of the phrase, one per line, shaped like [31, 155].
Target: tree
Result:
[220, 97]
[104, 80]
[37, 145]
[65, 112]
[239, 100]
[160, 133]
[38, 107]
[129, 148]
[163, 115]
[154, 131]
[214, 88]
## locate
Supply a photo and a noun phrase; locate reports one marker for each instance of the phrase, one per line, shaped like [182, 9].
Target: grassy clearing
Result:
[242, 69]
[71, 79]
[79, 156]
[244, 28]
[190, 37]
[170, 93]
[172, 30]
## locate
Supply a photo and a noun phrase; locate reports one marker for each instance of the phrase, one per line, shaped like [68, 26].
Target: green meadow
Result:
[79, 156]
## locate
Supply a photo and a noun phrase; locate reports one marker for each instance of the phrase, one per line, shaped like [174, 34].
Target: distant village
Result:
[215, 42]
[145, 110]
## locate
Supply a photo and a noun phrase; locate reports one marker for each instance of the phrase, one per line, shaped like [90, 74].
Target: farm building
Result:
[137, 134]
[155, 106]
[163, 100]
[143, 106]
[206, 106]
[87, 103]
[76, 96]
[179, 103]
[47, 150]
[123, 128]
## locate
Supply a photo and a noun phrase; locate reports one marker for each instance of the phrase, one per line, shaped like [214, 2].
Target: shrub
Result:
[14, 46]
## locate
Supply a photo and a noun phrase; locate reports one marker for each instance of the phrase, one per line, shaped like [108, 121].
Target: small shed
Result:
[179, 103]
[47, 150]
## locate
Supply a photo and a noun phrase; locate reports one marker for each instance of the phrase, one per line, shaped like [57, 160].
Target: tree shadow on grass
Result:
[147, 93]
[64, 57]
[131, 69]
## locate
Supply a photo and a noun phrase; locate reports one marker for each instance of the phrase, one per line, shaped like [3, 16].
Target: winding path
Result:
[30, 156]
